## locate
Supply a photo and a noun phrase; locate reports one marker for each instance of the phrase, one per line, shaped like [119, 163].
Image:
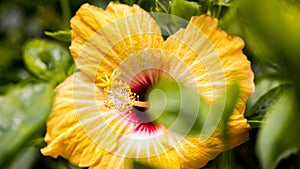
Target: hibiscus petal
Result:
[214, 58]
[168, 159]
[65, 136]
[88, 133]
[194, 152]
[79, 128]
[235, 65]
[103, 38]
[111, 161]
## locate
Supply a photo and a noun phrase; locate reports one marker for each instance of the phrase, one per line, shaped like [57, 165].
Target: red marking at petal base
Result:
[143, 81]
[140, 85]
[145, 127]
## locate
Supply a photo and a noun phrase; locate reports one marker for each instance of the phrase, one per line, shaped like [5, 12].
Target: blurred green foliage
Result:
[64, 36]
[139, 165]
[47, 60]
[183, 110]
[184, 9]
[24, 111]
[33, 62]
[171, 106]
[279, 137]
[270, 31]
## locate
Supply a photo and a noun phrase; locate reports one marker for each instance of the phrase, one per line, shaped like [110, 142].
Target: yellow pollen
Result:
[118, 93]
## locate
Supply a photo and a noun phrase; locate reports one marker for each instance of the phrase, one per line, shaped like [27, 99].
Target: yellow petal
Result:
[111, 161]
[65, 136]
[85, 24]
[229, 48]
[71, 128]
[84, 131]
[195, 153]
[103, 38]
[167, 160]
[214, 58]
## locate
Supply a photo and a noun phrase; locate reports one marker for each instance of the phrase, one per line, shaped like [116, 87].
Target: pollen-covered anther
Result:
[118, 93]
[105, 80]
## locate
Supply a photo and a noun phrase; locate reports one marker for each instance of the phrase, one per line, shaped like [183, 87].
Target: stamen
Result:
[119, 94]
[105, 81]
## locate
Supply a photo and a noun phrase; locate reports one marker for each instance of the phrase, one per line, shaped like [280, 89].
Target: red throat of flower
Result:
[131, 100]
[141, 84]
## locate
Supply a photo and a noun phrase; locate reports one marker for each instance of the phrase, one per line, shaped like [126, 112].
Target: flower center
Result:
[130, 99]
[119, 94]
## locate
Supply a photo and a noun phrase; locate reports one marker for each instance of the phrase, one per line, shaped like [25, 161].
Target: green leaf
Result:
[25, 158]
[184, 9]
[169, 24]
[64, 36]
[263, 85]
[217, 113]
[175, 106]
[139, 165]
[224, 3]
[279, 136]
[256, 123]
[182, 109]
[225, 160]
[162, 6]
[47, 60]
[128, 2]
[23, 114]
[270, 30]
[232, 94]
[147, 4]
[260, 108]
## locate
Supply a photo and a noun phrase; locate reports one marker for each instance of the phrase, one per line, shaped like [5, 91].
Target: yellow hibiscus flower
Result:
[120, 53]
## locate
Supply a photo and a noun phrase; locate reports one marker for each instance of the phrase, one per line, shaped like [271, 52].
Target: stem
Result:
[219, 11]
[161, 6]
[209, 8]
[139, 2]
[226, 159]
[66, 12]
